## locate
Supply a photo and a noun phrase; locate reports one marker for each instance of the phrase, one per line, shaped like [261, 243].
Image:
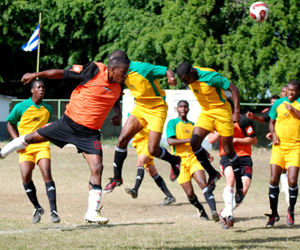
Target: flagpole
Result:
[39, 41]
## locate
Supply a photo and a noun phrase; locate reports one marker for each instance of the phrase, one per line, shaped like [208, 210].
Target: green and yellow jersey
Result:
[181, 130]
[209, 89]
[28, 117]
[287, 126]
[142, 80]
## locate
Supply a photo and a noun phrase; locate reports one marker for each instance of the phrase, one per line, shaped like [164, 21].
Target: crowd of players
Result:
[99, 90]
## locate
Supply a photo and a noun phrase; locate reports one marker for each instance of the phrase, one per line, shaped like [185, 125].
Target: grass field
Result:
[134, 223]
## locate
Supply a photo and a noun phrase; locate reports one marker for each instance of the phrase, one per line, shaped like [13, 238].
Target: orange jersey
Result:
[242, 129]
[94, 97]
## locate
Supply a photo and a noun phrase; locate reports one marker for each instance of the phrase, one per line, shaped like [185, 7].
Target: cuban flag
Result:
[33, 42]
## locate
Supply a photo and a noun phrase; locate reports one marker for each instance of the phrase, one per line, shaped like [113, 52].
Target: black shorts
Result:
[65, 130]
[245, 164]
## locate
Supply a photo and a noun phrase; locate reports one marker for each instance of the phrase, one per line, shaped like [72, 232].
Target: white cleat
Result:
[95, 217]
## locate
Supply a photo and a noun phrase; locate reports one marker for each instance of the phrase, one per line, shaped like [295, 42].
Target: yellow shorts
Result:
[285, 157]
[189, 165]
[142, 149]
[212, 121]
[154, 118]
[35, 154]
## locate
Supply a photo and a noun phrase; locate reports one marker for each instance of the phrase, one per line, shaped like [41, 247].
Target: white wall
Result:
[172, 98]
[4, 106]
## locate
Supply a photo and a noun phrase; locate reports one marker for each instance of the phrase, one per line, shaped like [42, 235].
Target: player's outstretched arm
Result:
[171, 77]
[50, 74]
[236, 102]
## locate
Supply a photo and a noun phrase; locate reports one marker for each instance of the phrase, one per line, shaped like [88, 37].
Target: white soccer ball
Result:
[259, 11]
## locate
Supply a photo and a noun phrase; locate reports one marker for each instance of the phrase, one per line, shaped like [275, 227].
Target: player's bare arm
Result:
[173, 141]
[245, 140]
[275, 138]
[236, 102]
[213, 137]
[171, 78]
[293, 111]
[117, 119]
[50, 74]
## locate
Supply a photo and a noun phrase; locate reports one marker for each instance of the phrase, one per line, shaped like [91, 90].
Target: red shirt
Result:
[94, 97]
[244, 128]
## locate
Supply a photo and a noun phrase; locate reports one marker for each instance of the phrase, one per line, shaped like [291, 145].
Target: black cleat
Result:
[132, 192]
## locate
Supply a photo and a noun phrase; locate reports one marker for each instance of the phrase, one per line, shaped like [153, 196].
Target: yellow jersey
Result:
[142, 80]
[287, 126]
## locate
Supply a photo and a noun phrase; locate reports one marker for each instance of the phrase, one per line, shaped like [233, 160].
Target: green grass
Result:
[134, 223]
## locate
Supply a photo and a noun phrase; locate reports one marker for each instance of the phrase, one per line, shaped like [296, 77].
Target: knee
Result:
[292, 182]
[96, 169]
[123, 141]
[190, 193]
[152, 150]
[195, 143]
[274, 180]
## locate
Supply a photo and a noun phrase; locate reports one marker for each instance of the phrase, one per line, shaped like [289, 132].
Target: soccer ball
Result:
[259, 11]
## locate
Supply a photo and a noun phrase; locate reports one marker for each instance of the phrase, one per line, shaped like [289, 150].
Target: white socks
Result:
[94, 199]
[228, 196]
[285, 187]
[14, 145]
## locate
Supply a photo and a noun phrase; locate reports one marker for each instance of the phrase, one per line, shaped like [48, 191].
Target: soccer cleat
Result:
[37, 214]
[203, 215]
[168, 200]
[226, 222]
[54, 217]
[95, 217]
[112, 184]
[223, 221]
[132, 192]
[212, 181]
[175, 169]
[290, 218]
[239, 197]
[272, 219]
[215, 216]
[230, 221]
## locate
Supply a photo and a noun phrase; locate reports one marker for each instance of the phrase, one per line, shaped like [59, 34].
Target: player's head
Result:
[274, 98]
[117, 69]
[118, 53]
[293, 90]
[182, 109]
[38, 89]
[283, 91]
[186, 73]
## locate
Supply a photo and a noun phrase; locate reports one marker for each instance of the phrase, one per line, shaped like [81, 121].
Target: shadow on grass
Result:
[279, 227]
[96, 226]
[254, 242]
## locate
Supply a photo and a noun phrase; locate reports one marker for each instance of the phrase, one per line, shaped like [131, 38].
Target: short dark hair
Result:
[186, 102]
[295, 83]
[118, 62]
[276, 97]
[118, 53]
[36, 81]
[183, 69]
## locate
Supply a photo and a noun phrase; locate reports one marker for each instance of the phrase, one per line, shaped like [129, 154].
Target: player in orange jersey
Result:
[98, 90]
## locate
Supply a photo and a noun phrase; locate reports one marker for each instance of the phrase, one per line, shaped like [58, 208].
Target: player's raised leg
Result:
[162, 153]
[196, 143]
[130, 128]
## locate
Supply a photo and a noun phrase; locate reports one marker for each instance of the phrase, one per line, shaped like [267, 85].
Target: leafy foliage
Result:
[258, 57]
